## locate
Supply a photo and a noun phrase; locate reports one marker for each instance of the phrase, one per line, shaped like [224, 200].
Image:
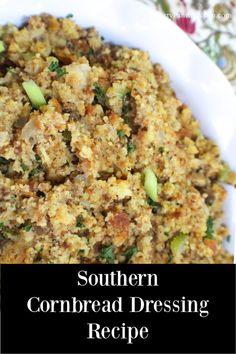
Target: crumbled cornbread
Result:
[72, 170]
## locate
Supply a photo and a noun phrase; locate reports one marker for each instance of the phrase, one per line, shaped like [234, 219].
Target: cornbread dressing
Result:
[73, 186]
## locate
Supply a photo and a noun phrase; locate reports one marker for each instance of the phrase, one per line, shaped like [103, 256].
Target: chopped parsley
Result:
[156, 207]
[131, 147]
[120, 133]
[210, 229]
[100, 95]
[4, 230]
[34, 172]
[38, 167]
[37, 158]
[127, 120]
[54, 67]
[61, 72]
[24, 167]
[3, 161]
[107, 254]
[81, 255]
[130, 253]
[27, 227]
[126, 104]
[69, 16]
[228, 238]
[126, 108]
[161, 149]
[79, 221]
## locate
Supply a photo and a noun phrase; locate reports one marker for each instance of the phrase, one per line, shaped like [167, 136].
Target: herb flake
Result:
[107, 254]
[130, 253]
[170, 259]
[4, 230]
[156, 207]
[120, 134]
[126, 108]
[3, 161]
[54, 67]
[61, 72]
[210, 229]
[34, 172]
[24, 167]
[100, 95]
[131, 147]
[79, 221]
[27, 227]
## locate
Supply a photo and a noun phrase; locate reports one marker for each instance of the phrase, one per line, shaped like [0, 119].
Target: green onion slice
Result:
[34, 93]
[2, 47]
[150, 184]
[177, 244]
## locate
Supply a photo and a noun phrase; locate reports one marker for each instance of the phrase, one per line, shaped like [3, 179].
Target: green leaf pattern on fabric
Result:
[211, 24]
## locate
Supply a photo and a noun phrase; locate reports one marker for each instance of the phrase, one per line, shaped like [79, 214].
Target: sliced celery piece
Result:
[2, 47]
[177, 244]
[150, 184]
[34, 93]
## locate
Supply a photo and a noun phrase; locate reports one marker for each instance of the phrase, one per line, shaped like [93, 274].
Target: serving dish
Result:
[196, 80]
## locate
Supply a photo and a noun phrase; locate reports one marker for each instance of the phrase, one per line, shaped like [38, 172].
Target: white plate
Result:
[196, 80]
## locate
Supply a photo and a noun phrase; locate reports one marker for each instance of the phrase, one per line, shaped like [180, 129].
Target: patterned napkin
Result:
[210, 24]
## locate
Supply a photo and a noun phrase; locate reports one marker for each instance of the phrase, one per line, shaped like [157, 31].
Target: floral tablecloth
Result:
[211, 25]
